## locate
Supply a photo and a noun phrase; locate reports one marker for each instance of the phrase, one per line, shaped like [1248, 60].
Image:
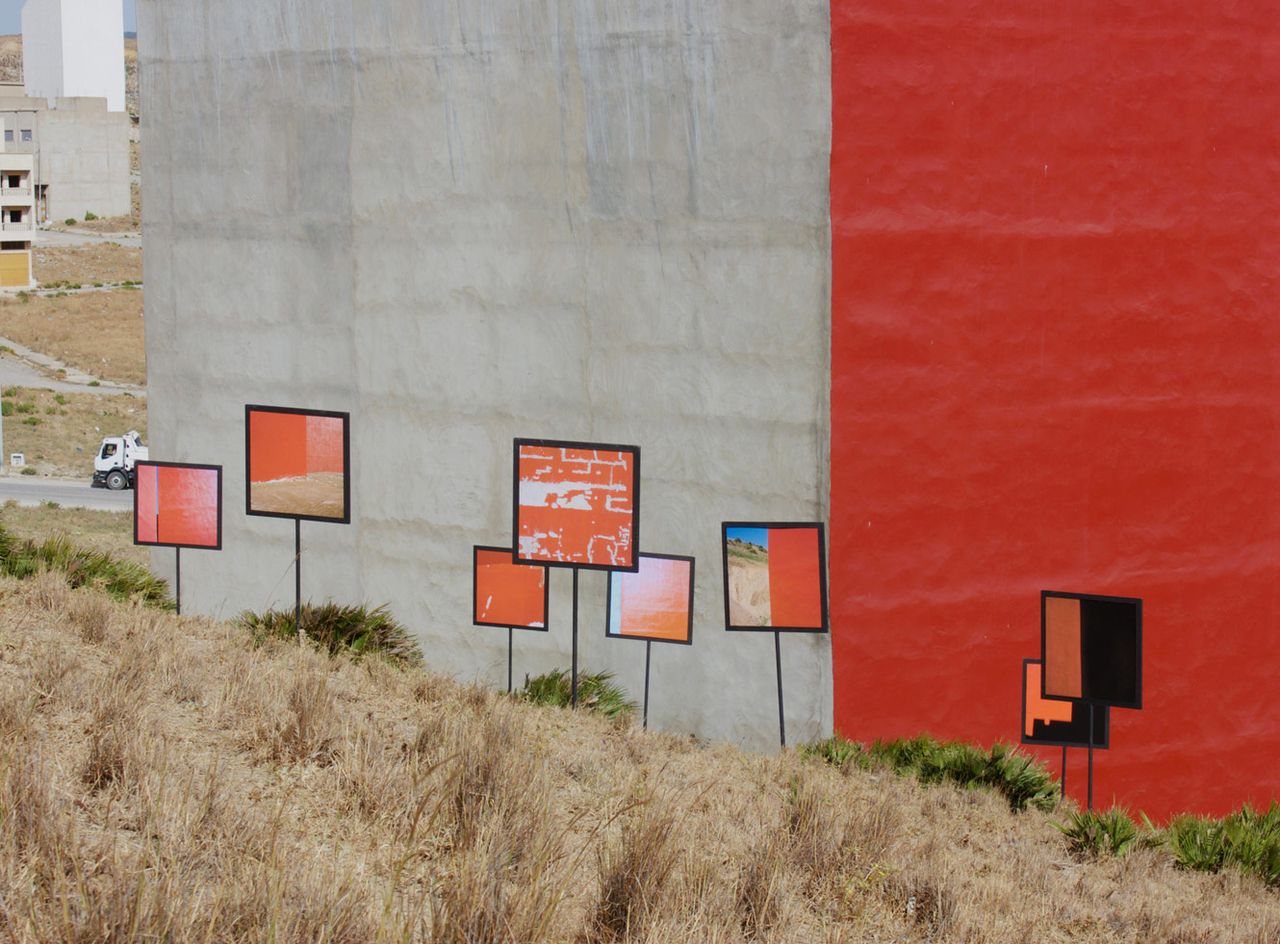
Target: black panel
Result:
[1111, 650]
[1073, 733]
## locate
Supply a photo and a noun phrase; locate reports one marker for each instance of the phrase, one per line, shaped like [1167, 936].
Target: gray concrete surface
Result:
[34, 491]
[469, 222]
[28, 368]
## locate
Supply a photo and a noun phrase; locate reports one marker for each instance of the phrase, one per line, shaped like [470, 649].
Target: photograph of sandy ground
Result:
[316, 495]
[749, 603]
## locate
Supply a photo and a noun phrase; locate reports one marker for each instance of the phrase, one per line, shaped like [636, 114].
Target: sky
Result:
[11, 16]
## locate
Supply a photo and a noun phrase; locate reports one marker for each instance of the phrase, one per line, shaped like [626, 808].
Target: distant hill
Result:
[11, 65]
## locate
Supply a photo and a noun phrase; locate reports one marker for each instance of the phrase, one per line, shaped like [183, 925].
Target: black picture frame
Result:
[1136, 602]
[608, 605]
[571, 444]
[475, 587]
[251, 408]
[1102, 721]
[822, 574]
[195, 466]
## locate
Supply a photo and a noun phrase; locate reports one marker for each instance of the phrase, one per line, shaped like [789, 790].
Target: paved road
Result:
[33, 491]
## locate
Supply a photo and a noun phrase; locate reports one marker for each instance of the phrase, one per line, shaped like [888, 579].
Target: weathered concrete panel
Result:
[470, 222]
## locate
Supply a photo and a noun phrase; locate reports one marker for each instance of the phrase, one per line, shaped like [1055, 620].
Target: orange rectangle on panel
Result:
[178, 505]
[1062, 659]
[577, 504]
[506, 593]
[655, 602]
[296, 463]
[795, 578]
[1039, 708]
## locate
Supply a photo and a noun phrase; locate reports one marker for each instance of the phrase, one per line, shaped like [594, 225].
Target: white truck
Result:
[113, 466]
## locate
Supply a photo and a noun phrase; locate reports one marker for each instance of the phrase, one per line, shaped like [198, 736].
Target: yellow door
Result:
[15, 269]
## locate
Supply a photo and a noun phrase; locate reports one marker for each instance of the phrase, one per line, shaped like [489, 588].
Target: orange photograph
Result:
[297, 463]
[653, 603]
[178, 505]
[506, 593]
[775, 577]
[577, 504]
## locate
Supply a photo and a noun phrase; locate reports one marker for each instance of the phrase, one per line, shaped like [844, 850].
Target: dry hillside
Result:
[163, 779]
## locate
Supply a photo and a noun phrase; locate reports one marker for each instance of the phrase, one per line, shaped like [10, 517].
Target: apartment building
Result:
[17, 219]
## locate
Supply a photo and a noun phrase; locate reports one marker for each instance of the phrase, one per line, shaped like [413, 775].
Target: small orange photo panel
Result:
[508, 594]
[654, 603]
[297, 464]
[1055, 722]
[775, 577]
[577, 504]
[178, 505]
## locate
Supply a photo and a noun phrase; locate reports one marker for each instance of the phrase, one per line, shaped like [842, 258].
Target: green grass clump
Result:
[1247, 840]
[25, 407]
[1092, 834]
[596, 692]
[123, 580]
[9, 391]
[6, 408]
[338, 628]
[1022, 781]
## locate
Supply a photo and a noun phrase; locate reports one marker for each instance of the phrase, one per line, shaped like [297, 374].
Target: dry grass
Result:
[69, 432]
[109, 531]
[161, 779]
[87, 265]
[98, 332]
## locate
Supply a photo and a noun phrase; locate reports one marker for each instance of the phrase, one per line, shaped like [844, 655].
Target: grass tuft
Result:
[596, 692]
[338, 628]
[122, 580]
[1247, 839]
[1092, 834]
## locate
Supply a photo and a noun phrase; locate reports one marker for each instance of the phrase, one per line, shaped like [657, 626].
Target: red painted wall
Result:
[1056, 365]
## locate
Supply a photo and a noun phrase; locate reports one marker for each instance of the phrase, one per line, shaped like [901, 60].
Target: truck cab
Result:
[114, 465]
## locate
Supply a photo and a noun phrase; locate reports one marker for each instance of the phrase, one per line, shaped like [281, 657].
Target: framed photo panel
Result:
[775, 577]
[507, 594]
[1091, 647]
[576, 504]
[298, 464]
[654, 603]
[178, 504]
[1052, 722]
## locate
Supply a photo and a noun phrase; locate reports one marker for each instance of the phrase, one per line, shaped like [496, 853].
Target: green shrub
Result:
[10, 392]
[94, 383]
[1022, 781]
[33, 421]
[337, 628]
[90, 217]
[837, 751]
[27, 470]
[596, 692]
[1092, 834]
[71, 221]
[123, 580]
[51, 411]
[27, 407]
[6, 408]
[60, 399]
[1246, 839]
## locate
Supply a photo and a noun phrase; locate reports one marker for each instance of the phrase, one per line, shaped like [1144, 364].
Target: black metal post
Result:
[648, 653]
[510, 650]
[297, 576]
[574, 670]
[782, 721]
[1090, 755]
[1064, 771]
[177, 577]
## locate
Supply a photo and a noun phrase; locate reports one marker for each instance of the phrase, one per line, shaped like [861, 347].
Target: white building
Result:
[74, 49]
[17, 219]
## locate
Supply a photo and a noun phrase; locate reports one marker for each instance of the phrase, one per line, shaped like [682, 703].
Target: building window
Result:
[15, 216]
[15, 181]
[8, 135]
[26, 135]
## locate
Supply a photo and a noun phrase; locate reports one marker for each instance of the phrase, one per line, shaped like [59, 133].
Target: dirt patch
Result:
[319, 494]
[99, 332]
[749, 603]
[59, 433]
[87, 265]
[109, 531]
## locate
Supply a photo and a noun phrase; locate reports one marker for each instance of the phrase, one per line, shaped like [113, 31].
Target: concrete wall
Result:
[602, 221]
[74, 49]
[84, 159]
